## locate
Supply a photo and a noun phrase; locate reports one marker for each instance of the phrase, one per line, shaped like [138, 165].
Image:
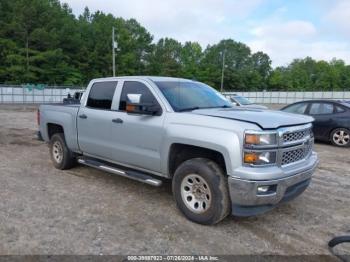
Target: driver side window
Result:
[297, 108]
[134, 87]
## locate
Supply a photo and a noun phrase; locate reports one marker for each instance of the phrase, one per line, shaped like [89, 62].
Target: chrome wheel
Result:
[341, 137]
[195, 193]
[57, 152]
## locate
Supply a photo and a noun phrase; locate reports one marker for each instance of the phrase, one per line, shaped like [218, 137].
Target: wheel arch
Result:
[53, 128]
[179, 153]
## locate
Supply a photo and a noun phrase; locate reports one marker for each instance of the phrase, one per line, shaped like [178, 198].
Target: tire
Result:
[61, 157]
[209, 186]
[340, 137]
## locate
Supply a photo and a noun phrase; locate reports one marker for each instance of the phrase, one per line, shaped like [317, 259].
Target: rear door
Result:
[323, 113]
[95, 119]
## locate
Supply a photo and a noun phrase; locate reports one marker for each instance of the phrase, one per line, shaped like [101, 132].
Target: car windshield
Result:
[187, 96]
[242, 100]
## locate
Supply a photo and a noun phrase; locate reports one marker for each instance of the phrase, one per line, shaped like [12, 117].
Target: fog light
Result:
[264, 190]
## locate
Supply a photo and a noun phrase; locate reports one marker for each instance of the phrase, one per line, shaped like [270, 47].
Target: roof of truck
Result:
[152, 78]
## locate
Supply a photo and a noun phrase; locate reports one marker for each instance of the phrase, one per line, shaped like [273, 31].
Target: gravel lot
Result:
[85, 211]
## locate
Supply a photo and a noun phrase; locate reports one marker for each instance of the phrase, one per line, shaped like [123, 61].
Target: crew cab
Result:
[221, 159]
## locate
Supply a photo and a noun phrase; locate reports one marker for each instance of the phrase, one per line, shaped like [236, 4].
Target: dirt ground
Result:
[86, 211]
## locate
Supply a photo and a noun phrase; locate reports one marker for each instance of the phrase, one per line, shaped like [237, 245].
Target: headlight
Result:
[260, 158]
[256, 138]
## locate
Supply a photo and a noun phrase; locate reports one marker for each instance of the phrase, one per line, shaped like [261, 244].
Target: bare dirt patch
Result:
[85, 211]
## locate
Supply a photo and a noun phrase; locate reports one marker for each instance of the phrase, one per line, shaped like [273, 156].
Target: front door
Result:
[137, 139]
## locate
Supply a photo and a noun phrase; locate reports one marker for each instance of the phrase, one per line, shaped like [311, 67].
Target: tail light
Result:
[38, 116]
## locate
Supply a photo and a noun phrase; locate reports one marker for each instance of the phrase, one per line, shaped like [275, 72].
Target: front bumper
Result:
[247, 201]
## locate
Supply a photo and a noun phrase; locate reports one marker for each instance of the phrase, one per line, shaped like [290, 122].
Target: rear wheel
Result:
[340, 137]
[201, 192]
[61, 156]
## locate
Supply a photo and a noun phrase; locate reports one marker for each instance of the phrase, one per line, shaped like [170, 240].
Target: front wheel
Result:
[340, 137]
[201, 192]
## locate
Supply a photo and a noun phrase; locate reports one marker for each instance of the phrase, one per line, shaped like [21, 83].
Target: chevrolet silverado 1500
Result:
[221, 159]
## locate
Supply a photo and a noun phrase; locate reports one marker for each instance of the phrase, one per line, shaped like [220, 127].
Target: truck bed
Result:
[63, 116]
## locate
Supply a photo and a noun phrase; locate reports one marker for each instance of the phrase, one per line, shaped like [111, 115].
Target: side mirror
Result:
[134, 98]
[134, 106]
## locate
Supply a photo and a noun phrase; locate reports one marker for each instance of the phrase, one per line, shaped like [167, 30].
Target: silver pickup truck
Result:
[221, 159]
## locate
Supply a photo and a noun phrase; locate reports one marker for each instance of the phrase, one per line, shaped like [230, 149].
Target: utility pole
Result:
[223, 69]
[113, 50]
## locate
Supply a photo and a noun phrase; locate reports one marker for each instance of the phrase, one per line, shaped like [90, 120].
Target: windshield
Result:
[187, 96]
[242, 100]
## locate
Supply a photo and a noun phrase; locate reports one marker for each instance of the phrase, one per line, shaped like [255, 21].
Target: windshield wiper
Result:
[197, 107]
[188, 109]
[224, 106]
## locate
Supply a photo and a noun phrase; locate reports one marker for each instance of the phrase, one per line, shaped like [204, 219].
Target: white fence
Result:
[290, 97]
[31, 95]
[25, 95]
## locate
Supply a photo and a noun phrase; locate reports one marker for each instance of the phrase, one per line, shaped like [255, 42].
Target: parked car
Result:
[242, 101]
[332, 119]
[221, 159]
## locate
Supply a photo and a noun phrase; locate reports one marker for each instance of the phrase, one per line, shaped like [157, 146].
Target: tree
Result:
[166, 58]
[41, 41]
[190, 58]
[243, 71]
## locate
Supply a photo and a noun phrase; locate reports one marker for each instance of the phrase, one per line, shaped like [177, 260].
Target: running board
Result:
[135, 175]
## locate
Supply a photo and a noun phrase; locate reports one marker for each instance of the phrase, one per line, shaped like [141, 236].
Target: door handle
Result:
[117, 121]
[83, 116]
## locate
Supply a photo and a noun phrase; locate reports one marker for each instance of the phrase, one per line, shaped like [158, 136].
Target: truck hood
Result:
[255, 106]
[266, 119]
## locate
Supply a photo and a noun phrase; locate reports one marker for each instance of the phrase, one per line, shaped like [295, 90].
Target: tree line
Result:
[41, 41]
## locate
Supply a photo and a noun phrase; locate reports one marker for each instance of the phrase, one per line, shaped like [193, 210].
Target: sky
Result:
[284, 29]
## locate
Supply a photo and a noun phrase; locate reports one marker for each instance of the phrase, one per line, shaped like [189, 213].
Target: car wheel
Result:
[61, 156]
[201, 192]
[341, 137]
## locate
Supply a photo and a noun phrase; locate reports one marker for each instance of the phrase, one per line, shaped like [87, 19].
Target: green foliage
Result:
[41, 41]
[308, 74]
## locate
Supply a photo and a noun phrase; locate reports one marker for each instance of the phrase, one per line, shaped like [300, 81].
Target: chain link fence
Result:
[35, 94]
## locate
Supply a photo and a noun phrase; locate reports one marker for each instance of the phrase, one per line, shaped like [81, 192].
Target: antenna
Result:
[114, 46]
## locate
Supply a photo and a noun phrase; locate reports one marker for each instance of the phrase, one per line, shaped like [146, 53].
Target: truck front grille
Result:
[295, 155]
[295, 136]
[296, 143]
[292, 156]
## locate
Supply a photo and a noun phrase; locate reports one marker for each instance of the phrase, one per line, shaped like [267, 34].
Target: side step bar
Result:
[135, 175]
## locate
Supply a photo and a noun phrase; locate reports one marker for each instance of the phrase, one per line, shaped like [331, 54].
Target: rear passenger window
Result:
[134, 87]
[339, 109]
[101, 95]
[321, 109]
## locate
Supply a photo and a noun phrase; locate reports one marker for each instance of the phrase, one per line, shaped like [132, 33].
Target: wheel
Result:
[201, 192]
[340, 137]
[61, 156]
